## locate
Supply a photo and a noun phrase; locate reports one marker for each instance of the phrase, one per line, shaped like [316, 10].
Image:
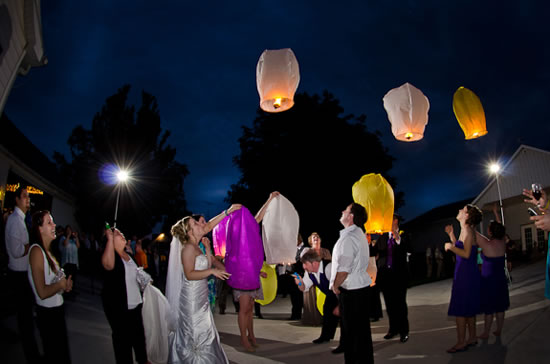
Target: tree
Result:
[311, 154]
[129, 140]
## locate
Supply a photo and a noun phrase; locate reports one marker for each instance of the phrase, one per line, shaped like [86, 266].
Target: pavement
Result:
[525, 338]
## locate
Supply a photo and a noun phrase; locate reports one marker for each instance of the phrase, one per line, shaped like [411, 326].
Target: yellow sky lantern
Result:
[407, 109]
[277, 78]
[469, 113]
[375, 194]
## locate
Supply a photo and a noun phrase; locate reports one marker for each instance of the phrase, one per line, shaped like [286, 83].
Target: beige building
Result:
[526, 166]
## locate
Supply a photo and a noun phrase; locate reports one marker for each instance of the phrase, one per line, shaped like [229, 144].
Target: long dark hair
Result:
[37, 221]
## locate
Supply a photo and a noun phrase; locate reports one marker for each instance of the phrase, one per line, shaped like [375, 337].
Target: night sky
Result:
[199, 60]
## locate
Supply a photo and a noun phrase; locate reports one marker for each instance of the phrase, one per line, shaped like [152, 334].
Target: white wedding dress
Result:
[196, 339]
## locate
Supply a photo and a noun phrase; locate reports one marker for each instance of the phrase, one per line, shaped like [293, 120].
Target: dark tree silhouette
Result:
[313, 155]
[132, 140]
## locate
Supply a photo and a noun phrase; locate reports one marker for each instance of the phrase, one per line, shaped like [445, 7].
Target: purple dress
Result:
[466, 285]
[494, 286]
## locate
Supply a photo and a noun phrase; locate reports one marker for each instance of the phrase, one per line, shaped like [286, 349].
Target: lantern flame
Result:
[409, 135]
[278, 102]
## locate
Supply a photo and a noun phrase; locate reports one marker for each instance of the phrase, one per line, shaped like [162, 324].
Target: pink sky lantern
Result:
[277, 78]
[407, 109]
[280, 231]
[244, 251]
[219, 237]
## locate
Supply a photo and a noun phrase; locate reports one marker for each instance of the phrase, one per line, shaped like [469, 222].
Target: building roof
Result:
[438, 213]
[18, 145]
[526, 166]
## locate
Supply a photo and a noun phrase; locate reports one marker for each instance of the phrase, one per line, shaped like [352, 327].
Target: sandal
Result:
[454, 349]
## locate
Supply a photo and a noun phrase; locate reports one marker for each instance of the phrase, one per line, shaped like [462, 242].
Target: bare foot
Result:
[247, 347]
[457, 348]
[484, 336]
[252, 341]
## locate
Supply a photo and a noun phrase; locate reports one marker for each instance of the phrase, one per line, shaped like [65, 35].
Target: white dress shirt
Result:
[351, 255]
[308, 282]
[17, 237]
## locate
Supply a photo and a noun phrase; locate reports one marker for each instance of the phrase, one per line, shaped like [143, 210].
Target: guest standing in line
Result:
[69, 245]
[350, 281]
[17, 246]
[494, 285]
[465, 293]
[122, 300]
[48, 283]
[393, 279]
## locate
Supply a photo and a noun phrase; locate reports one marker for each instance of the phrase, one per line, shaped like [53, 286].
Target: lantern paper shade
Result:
[375, 194]
[245, 255]
[407, 109]
[269, 285]
[469, 113]
[277, 78]
[280, 231]
[219, 237]
[321, 297]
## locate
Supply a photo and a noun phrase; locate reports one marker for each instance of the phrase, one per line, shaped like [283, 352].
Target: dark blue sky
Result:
[199, 60]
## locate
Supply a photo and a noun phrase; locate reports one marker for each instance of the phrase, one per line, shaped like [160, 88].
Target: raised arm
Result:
[216, 220]
[469, 236]
[261, 213]
[450, 231]
[108, 257]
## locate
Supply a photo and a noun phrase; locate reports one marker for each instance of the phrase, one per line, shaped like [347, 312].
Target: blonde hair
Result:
[310, 238]
[181, 229]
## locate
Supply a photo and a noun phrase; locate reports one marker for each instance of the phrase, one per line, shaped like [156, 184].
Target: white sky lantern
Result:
[277, 78]
[407, 109]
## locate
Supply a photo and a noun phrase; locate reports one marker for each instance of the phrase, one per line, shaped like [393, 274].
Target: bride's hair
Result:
[181, 229]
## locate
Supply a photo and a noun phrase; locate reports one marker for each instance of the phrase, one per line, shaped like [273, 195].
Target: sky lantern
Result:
[269, 284]
[407, 109]
[219, 237]
[277, 78]
[244, 256]
[469, 113]
[375, 194]
[280, 231]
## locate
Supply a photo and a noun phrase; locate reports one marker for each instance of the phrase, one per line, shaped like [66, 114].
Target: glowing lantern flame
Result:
[469, 113]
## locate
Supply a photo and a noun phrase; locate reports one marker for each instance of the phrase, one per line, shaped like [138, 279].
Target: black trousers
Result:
[127, 333]
[24, 301]
[297, 301]
[375, 305]
[356, 326]
[330, 322]
[394, 289]
[53, 332]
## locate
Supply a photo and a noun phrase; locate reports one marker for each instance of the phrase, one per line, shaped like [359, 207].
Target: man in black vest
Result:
[297, 296]
[317, 274]
[393, 280]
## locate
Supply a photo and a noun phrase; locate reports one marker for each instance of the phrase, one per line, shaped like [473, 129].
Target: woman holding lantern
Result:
[193, 337]
[464, 303]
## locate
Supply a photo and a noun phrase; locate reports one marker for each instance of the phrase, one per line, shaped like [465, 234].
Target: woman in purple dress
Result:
[494, 299]
[464, 303]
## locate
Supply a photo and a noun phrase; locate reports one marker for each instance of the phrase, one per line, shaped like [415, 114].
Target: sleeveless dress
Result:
[196, 340]
[494, 286]
[466, 285]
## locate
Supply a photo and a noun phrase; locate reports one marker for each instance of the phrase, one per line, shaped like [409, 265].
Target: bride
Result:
[193, 336]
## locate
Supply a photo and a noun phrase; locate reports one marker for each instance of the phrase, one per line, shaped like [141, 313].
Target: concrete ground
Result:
[525, 339]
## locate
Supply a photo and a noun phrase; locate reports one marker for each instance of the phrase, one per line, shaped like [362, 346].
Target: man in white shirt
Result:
[17, 247]
[317, 274]
[350, 281]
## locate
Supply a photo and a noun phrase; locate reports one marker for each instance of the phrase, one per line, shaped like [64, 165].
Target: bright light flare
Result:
[494, 168]
[122, 176]
[278, 102]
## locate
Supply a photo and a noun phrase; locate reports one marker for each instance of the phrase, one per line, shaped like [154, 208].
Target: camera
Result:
[532, 211]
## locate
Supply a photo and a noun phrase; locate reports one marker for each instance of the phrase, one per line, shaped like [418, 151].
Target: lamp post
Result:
[495, 169]
[122, 176]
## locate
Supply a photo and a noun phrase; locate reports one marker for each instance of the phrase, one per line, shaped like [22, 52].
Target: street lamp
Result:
[122, 176]
[494, 168]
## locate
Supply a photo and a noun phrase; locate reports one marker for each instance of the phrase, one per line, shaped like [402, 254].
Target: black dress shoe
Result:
[389, 336]
[320, 340]
[338, 350]
[404, 338]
